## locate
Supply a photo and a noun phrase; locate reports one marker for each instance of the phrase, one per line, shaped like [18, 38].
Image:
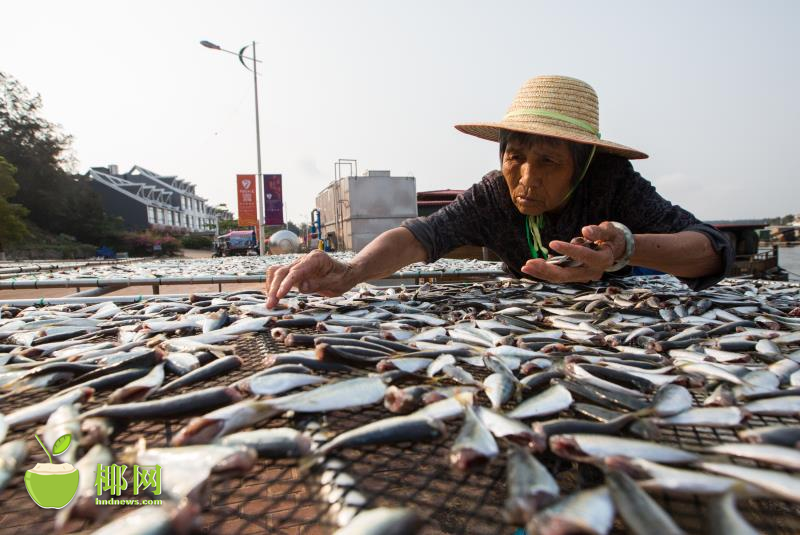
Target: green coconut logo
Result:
[52, 486]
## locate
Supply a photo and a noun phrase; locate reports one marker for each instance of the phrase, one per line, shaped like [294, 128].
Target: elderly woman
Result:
[559, 181]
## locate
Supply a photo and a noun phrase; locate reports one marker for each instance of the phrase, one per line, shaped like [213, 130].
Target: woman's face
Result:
[538, 174]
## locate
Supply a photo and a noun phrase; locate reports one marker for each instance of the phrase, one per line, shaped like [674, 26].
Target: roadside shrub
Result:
[147, 244]
[196, 241]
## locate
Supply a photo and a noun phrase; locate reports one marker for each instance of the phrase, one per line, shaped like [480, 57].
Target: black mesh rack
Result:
[277, 496]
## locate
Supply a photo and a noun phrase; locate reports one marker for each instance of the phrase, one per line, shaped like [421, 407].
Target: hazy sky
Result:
[711, 90]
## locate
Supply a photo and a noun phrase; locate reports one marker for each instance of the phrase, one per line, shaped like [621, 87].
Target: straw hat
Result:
[555, 106]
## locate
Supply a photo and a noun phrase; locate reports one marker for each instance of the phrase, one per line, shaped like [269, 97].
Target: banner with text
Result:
[273, 200]
[246, 193]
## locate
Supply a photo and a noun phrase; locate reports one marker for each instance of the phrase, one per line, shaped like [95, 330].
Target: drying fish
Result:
[42, 410]
[778, 455]
[707, 417]
[140, 389]
[778, 435]
[212, 369]
[410, 428]
[83, 504]
[168, 407]
[383, 521]
[498, 388]
[153, 519]
[654, 476]
[553, 400]
[277, 383]
[405, 400]
[435, 367]
[640, 512]
[582, 446]
[724, 518]
[530, 486]
[588, 511]
[671, 400]
[190, 466]
[474, 445]
[778, 483]
[274, 443]
[511, 429]
[63, 420]
[780, 406]
[12, 457]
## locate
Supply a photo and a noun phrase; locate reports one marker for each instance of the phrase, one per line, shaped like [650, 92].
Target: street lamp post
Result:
[259, 178]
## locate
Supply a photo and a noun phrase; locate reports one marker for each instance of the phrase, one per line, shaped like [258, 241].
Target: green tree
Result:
[58, 200]
[12, 226]
[227, 225]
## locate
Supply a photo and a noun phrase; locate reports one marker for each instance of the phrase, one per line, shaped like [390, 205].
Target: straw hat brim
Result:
[491, 132]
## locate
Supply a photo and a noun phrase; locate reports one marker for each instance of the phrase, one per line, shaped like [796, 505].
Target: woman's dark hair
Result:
[580, 151]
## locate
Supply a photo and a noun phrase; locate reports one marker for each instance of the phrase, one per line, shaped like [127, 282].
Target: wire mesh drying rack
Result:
[276, 496]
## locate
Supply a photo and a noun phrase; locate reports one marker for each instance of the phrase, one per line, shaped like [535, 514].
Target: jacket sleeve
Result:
[639, 206]
[462, 222]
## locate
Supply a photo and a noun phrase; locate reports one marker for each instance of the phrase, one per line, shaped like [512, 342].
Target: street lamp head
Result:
[209, 44]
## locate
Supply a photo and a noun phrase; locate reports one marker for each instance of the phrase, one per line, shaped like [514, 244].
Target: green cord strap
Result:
[534, 237]
[583, 125]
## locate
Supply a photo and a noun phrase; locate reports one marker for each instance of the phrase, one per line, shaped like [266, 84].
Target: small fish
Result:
[589, 511]
[530, 486]
[511, 429]
[498, 388]
[42, 410]
[435, 367]
[212, 369]
[778, 483]
[778, 455]
[273, 443]
[641, 514]
[277, 383]
[169, 407]
[679, 481]
[63, 420]
[474, 446]
[780, 406]
[154, 519]
[551, 401]
[12, 457]
[409, 428]
[579, 446]
[404, 400]
[706, 417]
[724, 518]
[671, 400]
[83, 504]
[778, 435]
[140, 389]
[383, 520]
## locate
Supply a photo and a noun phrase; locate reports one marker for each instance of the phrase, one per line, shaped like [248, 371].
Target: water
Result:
[789, 259]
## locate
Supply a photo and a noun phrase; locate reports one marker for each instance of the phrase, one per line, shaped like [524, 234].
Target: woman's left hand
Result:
[612, 246]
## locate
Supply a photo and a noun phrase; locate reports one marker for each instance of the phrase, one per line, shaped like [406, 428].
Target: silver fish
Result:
[588, 511]
[440, 362]
[141, 388]
[277, 383]
[779, 455]
[498, 388]
[273, 443]
[530, 486]
[42, 410]
[580, 446]
[12, 456]
[673, 480]
[639, 511]
[83, 504]
[780, 406]
[553, 400]
[724, 518]
[671, 400]
[706, 417]
[63, 420]
[474, 445]
[778, 483]
[383, 521]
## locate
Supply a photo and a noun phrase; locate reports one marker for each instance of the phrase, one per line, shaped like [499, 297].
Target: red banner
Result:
[273, 200]
[246, 193]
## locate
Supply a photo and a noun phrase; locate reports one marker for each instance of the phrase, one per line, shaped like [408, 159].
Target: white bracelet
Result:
[629, 245]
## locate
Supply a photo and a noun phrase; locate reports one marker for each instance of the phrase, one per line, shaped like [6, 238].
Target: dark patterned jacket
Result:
[485, 216]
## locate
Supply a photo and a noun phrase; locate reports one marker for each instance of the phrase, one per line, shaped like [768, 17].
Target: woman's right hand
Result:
[316, 272]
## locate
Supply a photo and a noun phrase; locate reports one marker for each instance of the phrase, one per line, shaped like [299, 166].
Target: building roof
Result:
[143, 193]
